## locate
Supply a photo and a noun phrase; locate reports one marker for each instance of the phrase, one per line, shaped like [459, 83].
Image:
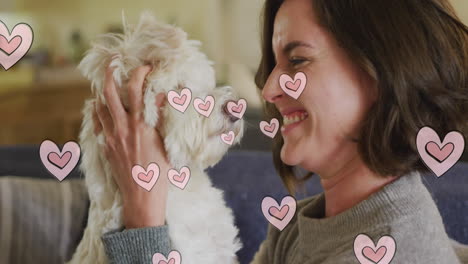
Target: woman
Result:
[377, 71]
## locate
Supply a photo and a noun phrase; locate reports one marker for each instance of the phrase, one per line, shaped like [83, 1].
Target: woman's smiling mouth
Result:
[293, 119]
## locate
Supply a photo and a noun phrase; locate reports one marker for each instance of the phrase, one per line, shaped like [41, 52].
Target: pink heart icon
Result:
[439, 159]
[179, 179]
[59, 163]
[293, 88]
[367, 253]
[375, 256]
[9, 46]
[174, 257]
[146, 178]
[204, 107]
[228, 138]
[270, 129]
[279, 214]
[440, 154]
[180, 102]
[14, 46]
[237, 109]
[279, 218]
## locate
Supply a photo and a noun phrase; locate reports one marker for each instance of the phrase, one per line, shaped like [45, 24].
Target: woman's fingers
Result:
[135, 89]
[96, 122]
[105, 119]
[116, 108]
[160, 100]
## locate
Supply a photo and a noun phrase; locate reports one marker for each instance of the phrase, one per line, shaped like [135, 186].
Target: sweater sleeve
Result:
[134, 246]
[461, 250]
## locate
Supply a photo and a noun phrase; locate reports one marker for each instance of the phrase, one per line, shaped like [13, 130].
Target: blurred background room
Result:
[41, 97]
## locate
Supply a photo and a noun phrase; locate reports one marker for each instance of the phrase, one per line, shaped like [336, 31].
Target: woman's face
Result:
[335, 100]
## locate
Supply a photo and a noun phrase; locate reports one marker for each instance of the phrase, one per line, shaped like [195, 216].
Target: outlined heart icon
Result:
[204, 107]
[59, 163]
[228, 138]
[179, 178]
[180, 102]
[270, 129]
[173, 257]
[237, 109]
[279, 215]
[438, 156]
[146, 178]
[368, 253]
[293, 87]
[9, 46]
[59, 160]
[14, 46]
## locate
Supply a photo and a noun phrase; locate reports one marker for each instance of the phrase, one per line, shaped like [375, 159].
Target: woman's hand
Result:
[130, 141]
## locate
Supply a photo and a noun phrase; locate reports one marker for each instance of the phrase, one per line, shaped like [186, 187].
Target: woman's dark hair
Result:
[416, 50]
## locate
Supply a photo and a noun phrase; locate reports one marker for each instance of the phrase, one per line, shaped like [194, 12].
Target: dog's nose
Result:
[231, 117]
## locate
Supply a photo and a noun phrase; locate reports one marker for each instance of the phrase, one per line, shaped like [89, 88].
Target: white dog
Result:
[201, 227]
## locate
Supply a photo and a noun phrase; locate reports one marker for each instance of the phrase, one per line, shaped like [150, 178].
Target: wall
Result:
[53, 20]
[229, 29]
[243, 17]
[462, 9]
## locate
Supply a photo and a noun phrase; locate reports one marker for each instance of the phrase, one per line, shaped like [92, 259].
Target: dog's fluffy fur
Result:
[201, 227]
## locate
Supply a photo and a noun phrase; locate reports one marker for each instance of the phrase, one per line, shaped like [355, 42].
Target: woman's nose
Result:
[272, 91]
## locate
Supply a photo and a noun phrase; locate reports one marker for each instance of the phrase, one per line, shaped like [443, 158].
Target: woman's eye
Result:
[296, 61]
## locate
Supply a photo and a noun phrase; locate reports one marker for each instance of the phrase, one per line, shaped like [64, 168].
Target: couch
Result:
[245, 176]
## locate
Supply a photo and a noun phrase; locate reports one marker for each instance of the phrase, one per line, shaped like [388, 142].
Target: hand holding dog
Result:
[130, 141]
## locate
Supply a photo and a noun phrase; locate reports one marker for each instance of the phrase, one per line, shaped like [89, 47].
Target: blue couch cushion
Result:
[24, 160]
[248, 176]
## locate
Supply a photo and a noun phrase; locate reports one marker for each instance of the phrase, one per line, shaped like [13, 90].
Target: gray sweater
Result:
[403, 210]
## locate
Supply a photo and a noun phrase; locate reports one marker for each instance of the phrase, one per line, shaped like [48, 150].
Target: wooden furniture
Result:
[44, 111]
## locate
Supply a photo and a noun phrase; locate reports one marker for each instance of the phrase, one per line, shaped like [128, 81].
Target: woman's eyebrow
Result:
[294, 44]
